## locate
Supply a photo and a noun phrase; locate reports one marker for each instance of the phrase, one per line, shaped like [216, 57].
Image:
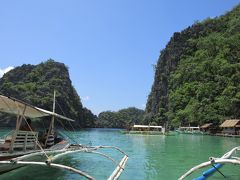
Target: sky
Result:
[109, 46]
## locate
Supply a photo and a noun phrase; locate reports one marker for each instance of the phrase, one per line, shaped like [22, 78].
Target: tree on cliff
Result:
[124, 118]
[198, 73]
[35, 85]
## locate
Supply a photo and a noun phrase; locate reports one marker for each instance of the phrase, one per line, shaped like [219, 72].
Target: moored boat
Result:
[147, 130]
[26, 146]
[189, 130]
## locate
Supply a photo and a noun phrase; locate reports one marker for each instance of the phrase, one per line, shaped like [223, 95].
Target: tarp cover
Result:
[13, 106]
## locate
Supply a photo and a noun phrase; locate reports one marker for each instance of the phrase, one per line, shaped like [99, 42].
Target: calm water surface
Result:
[150, 157]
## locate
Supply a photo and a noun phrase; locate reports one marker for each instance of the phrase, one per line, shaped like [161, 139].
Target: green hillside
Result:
[124, 118]
[197, 78]
[36, 84]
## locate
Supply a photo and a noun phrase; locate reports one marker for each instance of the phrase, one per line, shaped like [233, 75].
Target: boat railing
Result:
[5, 136]
[23, 140]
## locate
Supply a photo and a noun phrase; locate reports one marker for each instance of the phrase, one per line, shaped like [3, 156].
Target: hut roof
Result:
[230, 123]
[206, 125]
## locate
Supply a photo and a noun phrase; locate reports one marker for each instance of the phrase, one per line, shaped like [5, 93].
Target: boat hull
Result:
[9, 167]
[191, 132]
[4, 168]
[146, 132]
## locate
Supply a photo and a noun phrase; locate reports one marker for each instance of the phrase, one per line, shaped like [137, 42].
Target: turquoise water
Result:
[150, 157]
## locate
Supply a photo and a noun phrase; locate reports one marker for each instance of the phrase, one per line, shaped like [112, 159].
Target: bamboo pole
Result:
[51, 127]
[19, 121]
[59, 166]
[223, 159]
[112, 147]
[117, 172]
[54, 105]
[65, 153]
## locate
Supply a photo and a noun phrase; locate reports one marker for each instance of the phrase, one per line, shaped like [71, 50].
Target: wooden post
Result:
[51, 127]
[25, 142]
[13, 139]
[19, 120]
[54, 104]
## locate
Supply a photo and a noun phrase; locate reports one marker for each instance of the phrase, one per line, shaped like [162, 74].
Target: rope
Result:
[71, 138]
[38, 143]
[3, 119]
[65, 116]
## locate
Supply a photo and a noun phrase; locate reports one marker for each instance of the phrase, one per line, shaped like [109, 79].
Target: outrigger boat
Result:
[25, 147]
[189, 130]
[232, 157]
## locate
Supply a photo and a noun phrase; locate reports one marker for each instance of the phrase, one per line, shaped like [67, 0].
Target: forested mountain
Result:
[197, 78]
[36, 84]
[121, 119]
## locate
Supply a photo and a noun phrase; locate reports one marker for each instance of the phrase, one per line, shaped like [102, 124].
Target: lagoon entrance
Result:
[150, 156]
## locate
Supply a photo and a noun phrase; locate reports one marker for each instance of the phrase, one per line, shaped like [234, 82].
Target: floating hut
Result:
[147, 129]
[189, 130]
[231, 127]
[207, 128]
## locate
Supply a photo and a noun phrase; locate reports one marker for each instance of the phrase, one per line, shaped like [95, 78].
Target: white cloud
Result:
[3, 71]
[86, 98]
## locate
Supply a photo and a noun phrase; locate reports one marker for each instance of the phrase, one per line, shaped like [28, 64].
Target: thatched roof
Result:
[230, 123]
[206, 125]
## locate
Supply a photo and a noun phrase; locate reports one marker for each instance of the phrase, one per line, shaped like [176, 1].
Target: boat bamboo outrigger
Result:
[25, 147]
[216, 163]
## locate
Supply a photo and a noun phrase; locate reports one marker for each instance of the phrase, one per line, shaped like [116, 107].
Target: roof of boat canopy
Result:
[14, 106]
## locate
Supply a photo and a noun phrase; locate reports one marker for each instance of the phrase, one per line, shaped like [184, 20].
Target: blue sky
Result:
[108, 45]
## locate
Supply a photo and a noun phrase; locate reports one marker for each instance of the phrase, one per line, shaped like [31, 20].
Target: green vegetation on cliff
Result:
[35, 85]
[121, 119]
[197, 78]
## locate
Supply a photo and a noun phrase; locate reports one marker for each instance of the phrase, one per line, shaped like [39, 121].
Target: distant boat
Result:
[189, 130]
[24, 146]
[146, 130]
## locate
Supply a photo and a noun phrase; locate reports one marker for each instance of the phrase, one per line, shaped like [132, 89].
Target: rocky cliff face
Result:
[35, 85]
[211, 42]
